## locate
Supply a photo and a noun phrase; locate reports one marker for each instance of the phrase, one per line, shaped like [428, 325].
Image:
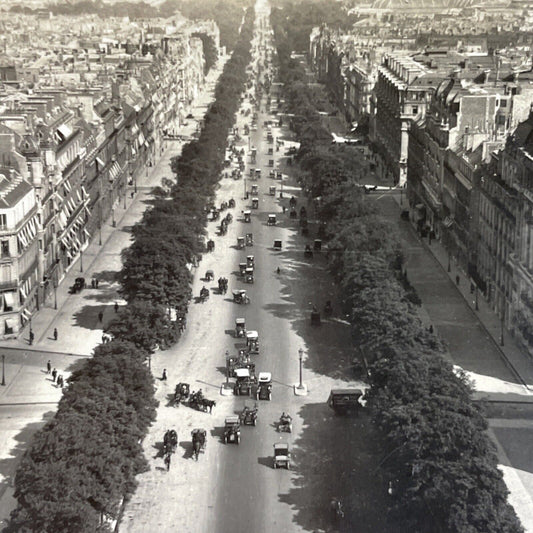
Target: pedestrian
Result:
[32, 337]
[96, 282]
[116, 307]
[49, 367]
[93, 284]
[54, 375]
[457, 279]
[60, 381]
[55, 334]
[100, 316]
[104, 337]
[431, 328]
[164, 376]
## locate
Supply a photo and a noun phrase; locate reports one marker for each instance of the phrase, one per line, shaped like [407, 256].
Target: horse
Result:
[198, 442]
[208, 404]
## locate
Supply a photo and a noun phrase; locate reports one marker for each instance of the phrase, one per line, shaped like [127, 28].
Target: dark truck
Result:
[345, 401]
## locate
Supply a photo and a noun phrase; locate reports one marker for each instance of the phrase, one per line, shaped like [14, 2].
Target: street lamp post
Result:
[81, 260]
[449, 261]
[477, 305]
[502, 343]
[55, 295]
[3, 369]
[300, 356]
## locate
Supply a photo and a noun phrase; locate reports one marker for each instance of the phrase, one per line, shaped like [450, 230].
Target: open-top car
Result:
[282, 456]
[234, 363]
[240, 296]
[248, 414]
[245, 382]
[232, 430]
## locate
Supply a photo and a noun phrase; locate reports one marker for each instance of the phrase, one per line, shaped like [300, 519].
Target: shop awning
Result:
[100, 162]
[26, 314]
[9, 299]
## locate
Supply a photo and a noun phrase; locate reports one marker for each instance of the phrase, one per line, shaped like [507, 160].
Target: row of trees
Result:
[442, 465]
[83, 463]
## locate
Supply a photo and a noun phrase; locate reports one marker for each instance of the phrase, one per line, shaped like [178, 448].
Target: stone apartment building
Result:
[72, 147]
[402, 94]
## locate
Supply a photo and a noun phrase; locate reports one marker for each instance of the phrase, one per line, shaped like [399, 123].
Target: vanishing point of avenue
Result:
[180, 347]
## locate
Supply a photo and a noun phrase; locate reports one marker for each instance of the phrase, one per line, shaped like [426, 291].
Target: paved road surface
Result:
[234, 488]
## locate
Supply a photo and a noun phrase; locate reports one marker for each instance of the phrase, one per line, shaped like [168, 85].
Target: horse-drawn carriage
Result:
[232, 430]
[170, 441]
[199, 438]
[282, 456]
[248, 416]
[198, 401]
[181, 393]
[240, 296]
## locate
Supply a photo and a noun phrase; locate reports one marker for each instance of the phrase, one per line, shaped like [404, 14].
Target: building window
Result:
[3, 220]
[4, 248]
[415, 109]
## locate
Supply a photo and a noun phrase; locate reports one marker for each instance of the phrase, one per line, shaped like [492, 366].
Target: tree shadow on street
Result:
[9, 465]
[87, 317]
[319, 475]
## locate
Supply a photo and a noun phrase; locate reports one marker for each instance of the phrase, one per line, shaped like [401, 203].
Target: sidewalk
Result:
[82, 310]
[517, 360]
